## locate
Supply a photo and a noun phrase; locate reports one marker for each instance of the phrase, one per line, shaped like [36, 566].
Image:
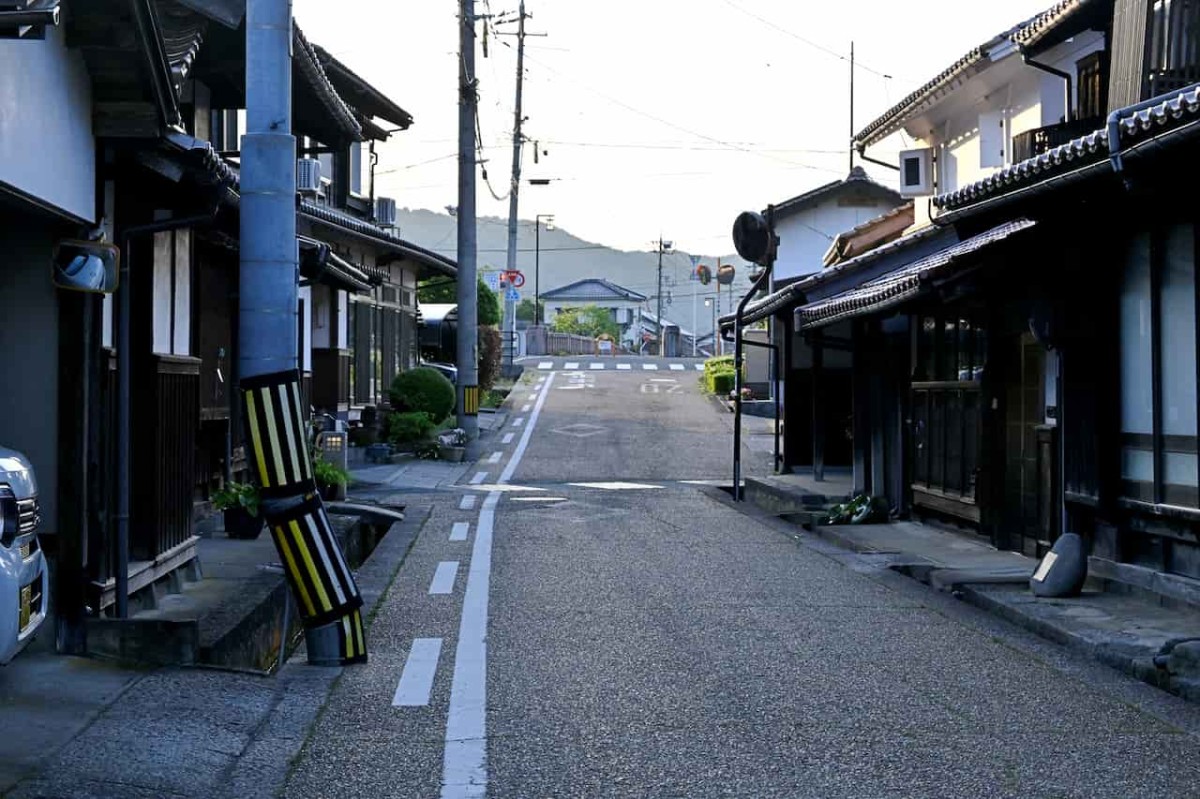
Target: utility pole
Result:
[518, 142]
[468, 296]
[851, 106]
[268, 306]
[662, 332]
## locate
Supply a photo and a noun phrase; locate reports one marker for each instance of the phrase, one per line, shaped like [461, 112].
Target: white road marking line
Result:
[699, 367]
[703, 482]
[464, 765]
[443, 578]
[650, 367]
[663, 380]
[416, 681]
[624, 367]
[615, 486]
[596, 366]
[676, 367]
[539, 499]
[495, 457]
[571, 366]
[479, 478]
[461, 529]
[518, 421]
[467, 502]
[504, 489]
[526, 408]
[546, 365]
[508, 437]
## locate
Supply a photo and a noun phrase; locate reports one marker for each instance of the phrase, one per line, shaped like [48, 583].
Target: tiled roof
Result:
[1181, 108]
[882, 229]
[309, 65]
[183, 33]
[361, 94]
[857, 178]
[895, 287]
[332, 216]
[591, 290]
[975, 60]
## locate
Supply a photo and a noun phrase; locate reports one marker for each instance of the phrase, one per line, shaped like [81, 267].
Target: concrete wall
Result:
[29, 352]
[46, 144]
[804, 237]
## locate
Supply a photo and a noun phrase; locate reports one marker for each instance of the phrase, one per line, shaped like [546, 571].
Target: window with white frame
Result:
[1158, 369]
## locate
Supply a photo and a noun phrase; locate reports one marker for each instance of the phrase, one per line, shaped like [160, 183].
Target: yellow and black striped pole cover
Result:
[277, 434]
[317, 572]
[320, 578]
[471, 400]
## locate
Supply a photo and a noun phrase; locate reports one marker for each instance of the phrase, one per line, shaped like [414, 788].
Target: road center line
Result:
[460, 529]
[464, 767]
[443, 578]
[416, 681]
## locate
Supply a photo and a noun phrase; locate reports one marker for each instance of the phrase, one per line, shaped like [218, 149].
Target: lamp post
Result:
[537, 263]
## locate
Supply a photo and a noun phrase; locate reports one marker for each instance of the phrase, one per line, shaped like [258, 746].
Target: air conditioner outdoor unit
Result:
[308, 176]
[916, 172]
[385, 211]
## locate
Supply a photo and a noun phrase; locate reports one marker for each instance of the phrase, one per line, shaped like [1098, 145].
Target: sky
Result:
[654, 118]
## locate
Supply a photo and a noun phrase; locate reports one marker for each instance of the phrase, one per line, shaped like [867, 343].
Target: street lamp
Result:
[537, 266]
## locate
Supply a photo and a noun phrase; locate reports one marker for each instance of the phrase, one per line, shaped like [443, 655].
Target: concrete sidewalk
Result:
[1151, 636]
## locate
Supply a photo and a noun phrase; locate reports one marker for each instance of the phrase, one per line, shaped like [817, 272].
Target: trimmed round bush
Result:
[409, 427]
[425, 390]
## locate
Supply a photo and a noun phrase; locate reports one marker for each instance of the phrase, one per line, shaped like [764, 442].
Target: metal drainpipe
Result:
[862, 153]
[737, 358]
[1069, 113]
[124, 383]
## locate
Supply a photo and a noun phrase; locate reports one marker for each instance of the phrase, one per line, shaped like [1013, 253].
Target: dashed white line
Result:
[571, 366]
[461, 529]
[495, 457]
[546, 365]
[508, 437]
[520, 420]
[416, 681]
[616, 486]
[526, 407]
[650, 367]
[676, 367]
[624, 367]
[467, 502]
[699, 367]
[596, 366]
[478, 478]
[443, 578]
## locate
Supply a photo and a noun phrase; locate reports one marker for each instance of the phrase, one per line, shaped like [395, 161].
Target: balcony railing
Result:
[1037, 141]
[1174, 36]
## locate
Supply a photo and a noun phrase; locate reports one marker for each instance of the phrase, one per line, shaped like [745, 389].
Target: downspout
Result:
[737, 356]
[1069, 113]
[862, 153]
[124, 383]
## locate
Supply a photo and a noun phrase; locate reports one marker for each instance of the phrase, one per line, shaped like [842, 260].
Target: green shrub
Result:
[720, 383]
[237, 495]
[409, 427]
[490, 355]
[718, 364]
[327, 474]
[423, 389]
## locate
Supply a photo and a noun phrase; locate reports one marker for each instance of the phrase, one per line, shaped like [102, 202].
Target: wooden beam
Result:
[120, 120]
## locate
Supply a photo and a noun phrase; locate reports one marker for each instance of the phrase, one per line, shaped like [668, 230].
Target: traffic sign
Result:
[492, 279]
[513, 295]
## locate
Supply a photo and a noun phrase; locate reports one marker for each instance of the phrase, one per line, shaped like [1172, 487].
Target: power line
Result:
[800, 38]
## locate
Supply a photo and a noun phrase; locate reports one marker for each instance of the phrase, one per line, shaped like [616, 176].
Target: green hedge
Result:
[719, 364]
[423, 389]
[720, 383]
[409, 427]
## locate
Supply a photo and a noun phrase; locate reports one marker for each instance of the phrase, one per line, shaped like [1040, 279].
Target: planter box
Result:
[452, 454]
[241, 525]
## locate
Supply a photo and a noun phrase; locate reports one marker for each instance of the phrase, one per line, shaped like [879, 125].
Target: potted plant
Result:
[239, 504]
[331, 479]
[452, 445]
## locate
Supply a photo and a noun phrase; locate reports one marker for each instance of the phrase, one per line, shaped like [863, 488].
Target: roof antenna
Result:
[851, 106]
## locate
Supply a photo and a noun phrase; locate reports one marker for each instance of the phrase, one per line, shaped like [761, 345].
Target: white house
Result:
[1027, 89]
[622, 303]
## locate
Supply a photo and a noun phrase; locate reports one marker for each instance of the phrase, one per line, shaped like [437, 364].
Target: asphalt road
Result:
[642, 638]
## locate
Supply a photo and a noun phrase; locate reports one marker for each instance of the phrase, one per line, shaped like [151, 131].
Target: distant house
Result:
[623, 303]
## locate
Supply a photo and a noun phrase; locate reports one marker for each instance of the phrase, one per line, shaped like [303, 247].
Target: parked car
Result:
[24, 578]
[449, 370]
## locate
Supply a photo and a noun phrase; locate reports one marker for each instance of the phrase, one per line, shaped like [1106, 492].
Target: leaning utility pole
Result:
[468, 296]
[326, 595]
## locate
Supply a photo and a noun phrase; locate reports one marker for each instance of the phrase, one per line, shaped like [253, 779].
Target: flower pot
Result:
[452, 454]
[332, 492]
[240, 524]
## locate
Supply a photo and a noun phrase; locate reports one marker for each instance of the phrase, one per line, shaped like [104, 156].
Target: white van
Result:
[24, 580]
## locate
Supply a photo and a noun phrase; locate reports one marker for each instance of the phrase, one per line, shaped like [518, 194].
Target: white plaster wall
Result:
[46, 144]
[306, 323]
[805, 237]
[321, 307]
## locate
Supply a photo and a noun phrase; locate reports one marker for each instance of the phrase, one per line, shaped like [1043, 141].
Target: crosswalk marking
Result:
[650, 367]
[597, 366]
[571, 366]
[624, 366]
[676, 367]
[546, 365]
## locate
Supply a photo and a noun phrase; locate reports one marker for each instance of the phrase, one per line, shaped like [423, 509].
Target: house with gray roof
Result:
[622, 303]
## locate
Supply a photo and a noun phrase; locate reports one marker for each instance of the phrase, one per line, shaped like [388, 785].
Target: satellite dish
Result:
[752, 237]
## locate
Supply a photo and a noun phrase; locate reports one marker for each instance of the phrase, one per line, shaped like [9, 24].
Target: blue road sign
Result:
[513, 295]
